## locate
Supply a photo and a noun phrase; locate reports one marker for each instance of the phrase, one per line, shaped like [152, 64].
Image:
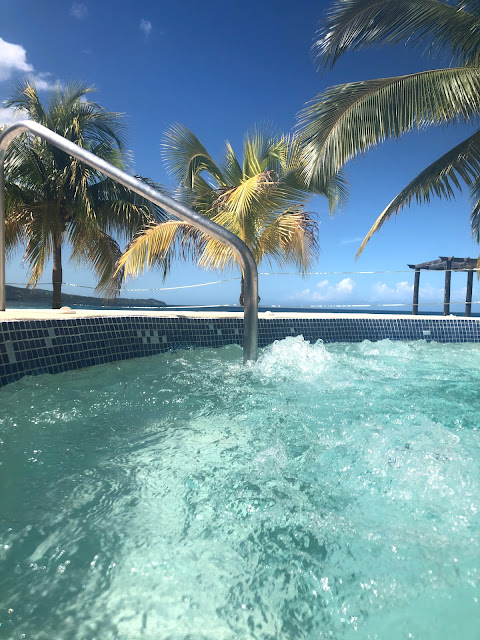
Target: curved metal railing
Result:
[243, 253]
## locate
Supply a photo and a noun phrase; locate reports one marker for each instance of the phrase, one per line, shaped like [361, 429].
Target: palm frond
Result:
[301, 187]
[238, 201]
[41, 232]
[471, 6]
[92, 245]
[335, 190]
[475, 213]
[74, 117]
[53, 196]
[121, 211]
[256, 150]
[15, 230]
[435, 25]
[158, 244]
[231, 168]
[460, 165]
[292, 238]
[261, 199]
[25, 100]
[186, 157]
[265, 150]
[217, 255]
[348, 119]
[202, 198]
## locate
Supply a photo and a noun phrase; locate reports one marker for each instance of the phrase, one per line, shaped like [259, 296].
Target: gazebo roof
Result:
[456, 264]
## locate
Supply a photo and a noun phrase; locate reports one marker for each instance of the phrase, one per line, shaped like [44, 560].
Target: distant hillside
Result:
[18, 294]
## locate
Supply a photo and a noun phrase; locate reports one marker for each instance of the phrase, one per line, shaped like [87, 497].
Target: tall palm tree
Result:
[348, 119]
[261, 199]
[54, 199]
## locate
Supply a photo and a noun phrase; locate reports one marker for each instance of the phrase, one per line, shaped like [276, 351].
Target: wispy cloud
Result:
[45, 82]
[8, 115]
[403, 292]
[349, 292]
[345, 241]
[324, 291]
[400, 292]
[79, 10]
[13, 59]
[145, 26]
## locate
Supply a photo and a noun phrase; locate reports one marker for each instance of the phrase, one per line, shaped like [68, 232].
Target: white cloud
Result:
[401, 292]
[79, 10]
[8, 115]
[363, 294]
[13, 58]
[44, 82]
[13, 61]
[326, 292]
[345, 286]
[145, 26]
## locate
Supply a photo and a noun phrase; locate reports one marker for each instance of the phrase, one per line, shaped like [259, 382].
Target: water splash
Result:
[326, 491]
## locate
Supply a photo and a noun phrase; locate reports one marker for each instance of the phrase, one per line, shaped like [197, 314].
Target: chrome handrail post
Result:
[243, 253]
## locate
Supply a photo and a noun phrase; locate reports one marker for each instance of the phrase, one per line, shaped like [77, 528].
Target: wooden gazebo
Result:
[448, 265]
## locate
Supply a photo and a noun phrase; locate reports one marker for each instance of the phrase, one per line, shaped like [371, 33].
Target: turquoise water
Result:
[327, 491]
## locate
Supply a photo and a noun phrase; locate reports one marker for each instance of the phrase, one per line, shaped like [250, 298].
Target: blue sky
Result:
[219, 68]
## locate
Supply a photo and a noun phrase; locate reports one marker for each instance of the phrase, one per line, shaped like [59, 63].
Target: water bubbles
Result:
[293, 358]
[333, 485]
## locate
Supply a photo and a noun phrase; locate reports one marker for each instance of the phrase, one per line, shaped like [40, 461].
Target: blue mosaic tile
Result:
[31, 347]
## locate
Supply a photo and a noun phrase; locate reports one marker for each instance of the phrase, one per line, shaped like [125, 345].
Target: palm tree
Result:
[348, 119]
[261, 199]
[54, 199]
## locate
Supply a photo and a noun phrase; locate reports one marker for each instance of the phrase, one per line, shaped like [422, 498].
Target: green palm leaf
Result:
[475, 213]
[54, 199]
[93, 246]
[41, 230]
[460, 165]
[348, 119]
[231, 168]
[433, 24]
[186, 157]
[260, 198]
[292, 238]
[158, 244]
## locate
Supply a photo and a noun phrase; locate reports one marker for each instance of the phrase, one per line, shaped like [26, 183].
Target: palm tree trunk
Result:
[57, 274]
[242, 292]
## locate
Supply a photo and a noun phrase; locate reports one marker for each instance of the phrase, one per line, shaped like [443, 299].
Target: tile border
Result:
[32, 347]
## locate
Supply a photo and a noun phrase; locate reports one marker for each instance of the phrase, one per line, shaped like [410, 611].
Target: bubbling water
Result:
[325, 491]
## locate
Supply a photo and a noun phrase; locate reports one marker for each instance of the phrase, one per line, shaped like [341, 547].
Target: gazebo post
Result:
[448, 280]
[416, 286]
[468, 299]
[447, 264]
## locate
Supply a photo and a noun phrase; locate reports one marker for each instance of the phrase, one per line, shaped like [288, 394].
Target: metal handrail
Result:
[242, 252]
